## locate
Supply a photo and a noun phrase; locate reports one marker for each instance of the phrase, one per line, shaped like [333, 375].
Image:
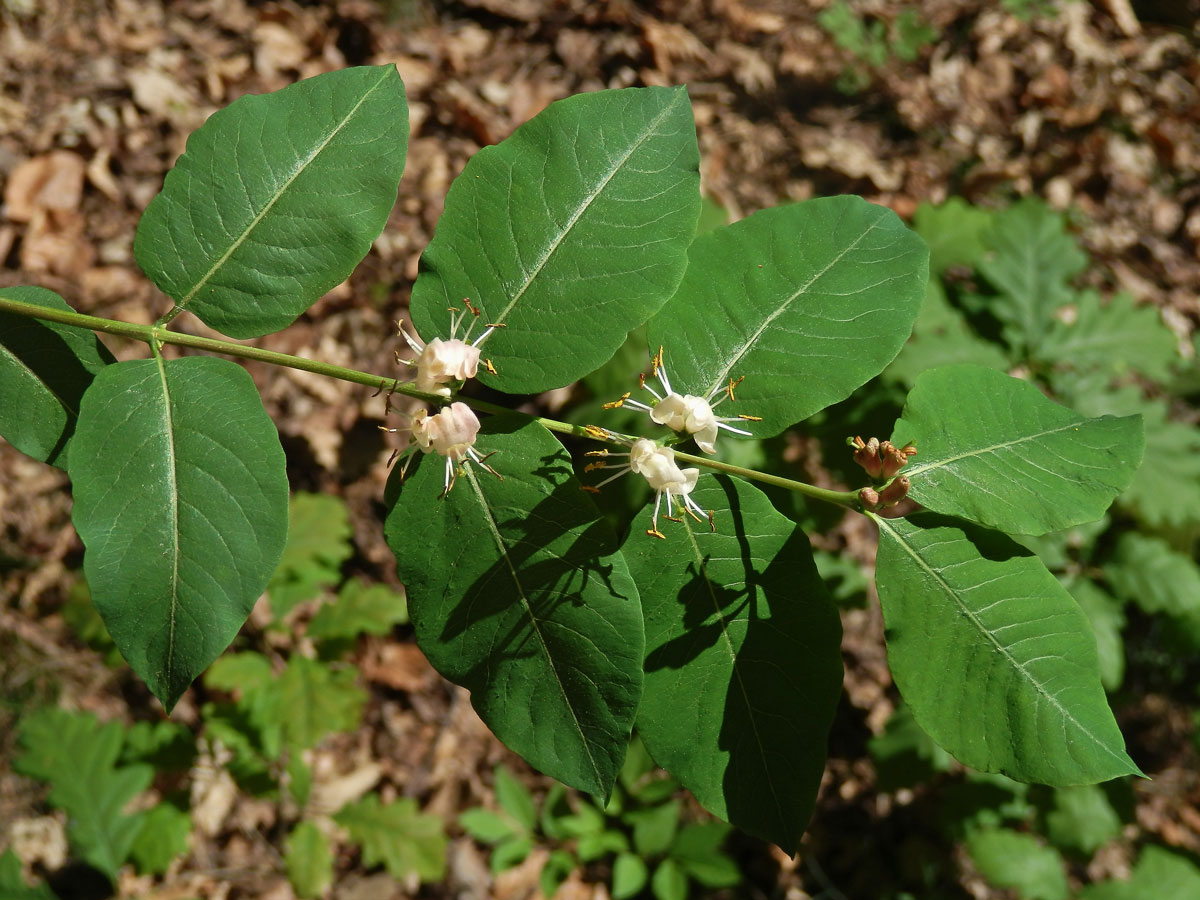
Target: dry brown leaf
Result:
[400, 666]
[51, 182]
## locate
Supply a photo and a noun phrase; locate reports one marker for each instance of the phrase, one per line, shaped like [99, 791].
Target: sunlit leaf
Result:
[994, 657]
[398, 835]
[308, 860]
[995, 450]
[181, 502]
[571, 232]
[77, 756]
[277, 198]
[806, 301]
[1031, 265]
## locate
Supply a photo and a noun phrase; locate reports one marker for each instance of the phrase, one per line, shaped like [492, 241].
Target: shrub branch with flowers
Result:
[706, 626]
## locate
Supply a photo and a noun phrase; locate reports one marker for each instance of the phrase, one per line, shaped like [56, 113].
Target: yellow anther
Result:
[591, 467]
[596, 453]
[750, 418]
[732, 384]
[589, 489]
[654, 532]
[595, 431]
[617, 404]
[657, 361]
[487, 364]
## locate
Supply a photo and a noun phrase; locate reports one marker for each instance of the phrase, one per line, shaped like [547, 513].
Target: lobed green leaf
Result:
[406, 841]
[181, 502]
[743, 667]
[517, 592]
[994, 657]
[277, 198]
[571, 233]
[78, 757]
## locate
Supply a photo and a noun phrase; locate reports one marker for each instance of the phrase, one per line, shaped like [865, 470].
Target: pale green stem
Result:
[154, 334]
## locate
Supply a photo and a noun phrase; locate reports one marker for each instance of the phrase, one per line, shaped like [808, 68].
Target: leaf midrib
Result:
[582, 208]
[300, 169]
[942, 463]
[173, 514]
[490, 521]
[1000, 648]
[749, 343]
[702, 567]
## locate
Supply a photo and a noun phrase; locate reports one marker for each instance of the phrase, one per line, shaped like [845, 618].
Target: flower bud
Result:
[867, 455]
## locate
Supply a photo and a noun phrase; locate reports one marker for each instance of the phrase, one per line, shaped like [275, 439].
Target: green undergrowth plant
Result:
[704, 620]
[638, 837]
[1003, 294]
[266, 710]
[873, 43]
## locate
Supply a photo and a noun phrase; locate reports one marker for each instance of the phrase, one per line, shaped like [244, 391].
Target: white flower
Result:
[657, 465]
[441, 361]
[450, 432]
[685, 412]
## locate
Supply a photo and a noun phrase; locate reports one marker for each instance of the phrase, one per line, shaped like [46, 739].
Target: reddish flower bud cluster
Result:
[880, 460]
[888, 497]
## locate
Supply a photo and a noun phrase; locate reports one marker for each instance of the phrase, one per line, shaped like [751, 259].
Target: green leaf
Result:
[360, 608]
[276, 199]
[510, 853]
[942, 337]
[314, 699]
[954, 231]
[514, 799]
[1146, 571]
[557, 869]
[669, 882]
[486, 826]
[1159, 873]
[181, 502]
[571, 233]
[77, 756]
[1031, 267]
[592, 847]
[309, 861]
[629, 876]
[995, 450]
[1009, 859]
[12, 881]
[1082, 819]
[654, 829]
[44, 370]
[738, 627]
[1107, 619]
[517, 592]
[807, 302]
[697, 849]
[1120, 338]
[994, 657]
[397, 835]
[1165, 492]
[318, 543]
[162, 839]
